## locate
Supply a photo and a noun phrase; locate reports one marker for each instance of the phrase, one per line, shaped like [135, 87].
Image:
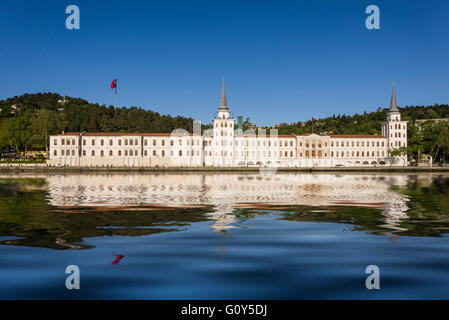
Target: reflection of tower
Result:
[393, 214]
[222, 219]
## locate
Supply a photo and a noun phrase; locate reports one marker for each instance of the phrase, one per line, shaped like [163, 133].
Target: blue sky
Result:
[283, 61]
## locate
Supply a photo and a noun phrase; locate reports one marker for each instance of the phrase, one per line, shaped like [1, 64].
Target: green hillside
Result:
[27, 120]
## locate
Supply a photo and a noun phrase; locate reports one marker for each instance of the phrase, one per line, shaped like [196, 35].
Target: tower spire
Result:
[393, 102]
[223, 102]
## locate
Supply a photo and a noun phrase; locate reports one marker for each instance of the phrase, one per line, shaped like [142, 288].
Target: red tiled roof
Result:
[355, 136]
[122, 134]
[267, 136]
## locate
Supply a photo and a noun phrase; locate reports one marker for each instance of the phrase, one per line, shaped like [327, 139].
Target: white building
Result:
[228, 146]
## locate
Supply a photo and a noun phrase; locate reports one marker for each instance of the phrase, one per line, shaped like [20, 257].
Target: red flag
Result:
[313, 119]
[114, 84]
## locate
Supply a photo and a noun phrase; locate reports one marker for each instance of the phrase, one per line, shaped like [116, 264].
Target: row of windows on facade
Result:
[398, 126]
[308, 154]
[358, 143]
[357, 154]
[125, 141]
[338, 154]
[224, 124]
[162, 153]
[130, 153]
[396, 135]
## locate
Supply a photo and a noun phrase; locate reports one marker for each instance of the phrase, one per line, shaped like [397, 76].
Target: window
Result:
[110, 142]
[136, 142]
[110, 153]
[171, 143]
[154, 142]
[163, 152]
[55, 153]
[93, 142]
[101, 153]
[55, 142]
[120, 142]
[130, 152]
[102, 142]
[73, 152]
[93, 153]
[163, 142]
[180, 153]
[62, 152]
[84, 152]
[126, 142]
[131, 142]
[62, 142]
[68, 142]
[73, 142]
[154, 152]
[180, 142]
[126, 153]
[84, 142]
[120, 152]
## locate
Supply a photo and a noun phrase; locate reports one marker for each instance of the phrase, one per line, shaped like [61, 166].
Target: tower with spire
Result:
[394, 129]
[223, 133]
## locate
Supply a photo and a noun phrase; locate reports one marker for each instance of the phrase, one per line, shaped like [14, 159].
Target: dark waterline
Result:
[224, 236]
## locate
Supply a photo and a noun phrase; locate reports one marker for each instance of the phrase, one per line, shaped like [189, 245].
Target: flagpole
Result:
[116, 95]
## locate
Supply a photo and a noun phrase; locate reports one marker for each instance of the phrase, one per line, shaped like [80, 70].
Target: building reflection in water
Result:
[229, 191]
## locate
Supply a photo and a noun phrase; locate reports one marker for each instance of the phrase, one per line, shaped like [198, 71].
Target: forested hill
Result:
[366, 123]
[27, 120]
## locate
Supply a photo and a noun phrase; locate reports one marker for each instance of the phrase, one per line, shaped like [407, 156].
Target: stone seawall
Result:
[72, 169]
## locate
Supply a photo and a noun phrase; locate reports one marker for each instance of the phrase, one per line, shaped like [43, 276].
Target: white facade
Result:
[226, 146]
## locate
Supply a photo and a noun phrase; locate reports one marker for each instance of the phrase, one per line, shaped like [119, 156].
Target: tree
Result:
[42, 123]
